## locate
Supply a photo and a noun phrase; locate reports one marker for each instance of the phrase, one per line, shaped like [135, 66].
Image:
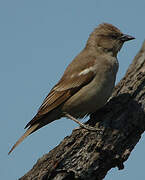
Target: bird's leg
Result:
[81, 124]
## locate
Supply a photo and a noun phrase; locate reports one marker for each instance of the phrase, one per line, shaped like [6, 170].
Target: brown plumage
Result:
[87, 82]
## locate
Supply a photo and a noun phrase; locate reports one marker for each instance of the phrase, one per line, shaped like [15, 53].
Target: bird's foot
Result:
[87, 127]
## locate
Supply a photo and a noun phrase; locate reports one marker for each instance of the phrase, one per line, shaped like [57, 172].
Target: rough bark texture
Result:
[90, 155]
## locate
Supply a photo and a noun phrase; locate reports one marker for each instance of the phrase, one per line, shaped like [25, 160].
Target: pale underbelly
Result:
[89, 99]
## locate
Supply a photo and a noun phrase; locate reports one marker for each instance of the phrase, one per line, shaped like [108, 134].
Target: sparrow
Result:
[87, 82]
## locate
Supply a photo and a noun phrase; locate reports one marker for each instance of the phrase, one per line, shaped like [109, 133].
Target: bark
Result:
[90, 155]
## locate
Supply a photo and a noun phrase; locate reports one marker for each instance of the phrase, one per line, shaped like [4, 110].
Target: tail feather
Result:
[33, 128]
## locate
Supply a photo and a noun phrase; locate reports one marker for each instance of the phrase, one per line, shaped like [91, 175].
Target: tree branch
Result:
[90, 155]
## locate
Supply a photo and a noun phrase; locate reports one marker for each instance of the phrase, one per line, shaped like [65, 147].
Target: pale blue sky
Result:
[38, 39]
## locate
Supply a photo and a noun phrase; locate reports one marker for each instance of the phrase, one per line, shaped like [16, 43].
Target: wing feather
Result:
[67, 86]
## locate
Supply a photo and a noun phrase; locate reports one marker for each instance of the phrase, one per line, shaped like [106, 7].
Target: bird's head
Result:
[107, 38]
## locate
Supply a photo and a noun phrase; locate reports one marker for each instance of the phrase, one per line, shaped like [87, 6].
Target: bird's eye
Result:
[113, 36]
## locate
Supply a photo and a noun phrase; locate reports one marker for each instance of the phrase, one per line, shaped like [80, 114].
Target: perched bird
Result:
[87, 82]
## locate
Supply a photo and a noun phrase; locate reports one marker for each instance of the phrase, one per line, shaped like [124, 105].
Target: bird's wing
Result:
[63, 91]
[68, 85]
[65, 88]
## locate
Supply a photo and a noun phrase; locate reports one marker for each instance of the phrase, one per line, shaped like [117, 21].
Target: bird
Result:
[87, 82]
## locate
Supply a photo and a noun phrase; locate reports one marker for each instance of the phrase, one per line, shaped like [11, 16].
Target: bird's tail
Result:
[33, 128]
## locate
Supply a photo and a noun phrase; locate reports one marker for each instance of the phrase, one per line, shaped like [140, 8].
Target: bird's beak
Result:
[126, 37]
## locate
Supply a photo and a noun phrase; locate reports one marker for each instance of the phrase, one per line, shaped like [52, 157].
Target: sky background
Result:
[38, 39]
